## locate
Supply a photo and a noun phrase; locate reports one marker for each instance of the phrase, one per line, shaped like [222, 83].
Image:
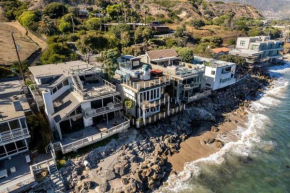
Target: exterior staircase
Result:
[56, 179]
[77, 81]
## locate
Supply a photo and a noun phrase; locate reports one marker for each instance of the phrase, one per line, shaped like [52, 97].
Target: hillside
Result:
[272, 9]
[190, 9]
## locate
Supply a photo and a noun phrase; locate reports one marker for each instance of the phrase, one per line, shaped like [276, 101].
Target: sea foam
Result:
[249, 135]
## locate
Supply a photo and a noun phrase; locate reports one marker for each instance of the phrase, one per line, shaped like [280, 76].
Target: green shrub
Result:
[55, 10]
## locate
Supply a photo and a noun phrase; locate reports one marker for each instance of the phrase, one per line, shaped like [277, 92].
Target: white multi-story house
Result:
[187, 82]
[15, 170]
[258, 49]
[82, 107]
[146, 87]
[218, 74]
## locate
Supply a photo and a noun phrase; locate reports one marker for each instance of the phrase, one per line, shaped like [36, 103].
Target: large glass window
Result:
[2, 151]
[65, 126]
[22, 121]
[255, 47]
[4, 127]
[107, 100]
[11, 148]
[96, 104]
[14, 124]
[59, 86]
[79, 110]
[21, 145]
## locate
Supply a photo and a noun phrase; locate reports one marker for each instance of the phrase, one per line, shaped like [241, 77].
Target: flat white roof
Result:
[54, 69]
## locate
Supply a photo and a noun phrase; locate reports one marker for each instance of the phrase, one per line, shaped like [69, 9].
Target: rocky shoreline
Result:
[142, 160]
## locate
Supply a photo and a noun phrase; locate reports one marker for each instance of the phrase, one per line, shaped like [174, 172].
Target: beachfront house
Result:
[146, 88]
[259, 49]
[82, 107]
[187, 83]
[15, 173]
[218, 74]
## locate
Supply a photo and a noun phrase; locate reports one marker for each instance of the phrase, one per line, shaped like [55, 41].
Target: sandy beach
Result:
[196, 147]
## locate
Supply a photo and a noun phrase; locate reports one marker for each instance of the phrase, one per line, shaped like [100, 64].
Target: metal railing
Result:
[95, 138]
[15, 134]
[17, 184]
[147, 83]
[154, 103]
[102, 110]
[191, 86]
[43, 165]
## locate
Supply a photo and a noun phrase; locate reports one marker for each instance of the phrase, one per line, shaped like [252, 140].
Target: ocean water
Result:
[260, 161]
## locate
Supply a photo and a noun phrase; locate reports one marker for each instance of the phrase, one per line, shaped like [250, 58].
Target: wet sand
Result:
[194, 147]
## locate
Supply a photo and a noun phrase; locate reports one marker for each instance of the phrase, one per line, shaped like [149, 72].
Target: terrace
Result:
[92, 134]
[139, 84]
[17, 171]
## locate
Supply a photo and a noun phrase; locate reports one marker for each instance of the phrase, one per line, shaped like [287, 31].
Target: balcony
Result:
[14, 135]
[103, 110]
[90, 135]
[191, 86]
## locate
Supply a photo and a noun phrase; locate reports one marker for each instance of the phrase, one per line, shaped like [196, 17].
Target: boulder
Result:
[218, 144]
[214, 129]
[125, 181]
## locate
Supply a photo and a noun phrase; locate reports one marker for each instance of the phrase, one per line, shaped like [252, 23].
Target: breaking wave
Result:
[249, 137]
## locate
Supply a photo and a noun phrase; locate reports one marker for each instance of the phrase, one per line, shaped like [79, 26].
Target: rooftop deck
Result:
[22, 175]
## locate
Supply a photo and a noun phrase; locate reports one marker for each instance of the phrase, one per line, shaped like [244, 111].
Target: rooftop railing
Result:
[145, 84]
[104, 89]
[84, 69]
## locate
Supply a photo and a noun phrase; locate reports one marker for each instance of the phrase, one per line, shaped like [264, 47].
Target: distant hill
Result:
[272, 9]
[191, 9]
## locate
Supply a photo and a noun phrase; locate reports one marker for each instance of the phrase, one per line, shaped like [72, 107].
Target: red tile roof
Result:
[218, 50]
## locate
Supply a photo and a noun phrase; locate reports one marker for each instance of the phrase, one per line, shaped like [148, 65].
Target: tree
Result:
[46, 26]
[235, 59]
[55, 10]
[41, 134]
[142, 33]
[217, 41]
[58, 52]
[110, 63]
[117, 30]
[29, 19]
[128, 104]
[65, 27]
[93, 23]
[114, 11]
[185, 53]
[125, 39]
[197, 23]
[180, 31]
[92, 41]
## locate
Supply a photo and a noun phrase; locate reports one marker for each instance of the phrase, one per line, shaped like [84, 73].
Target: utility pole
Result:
[73, 24]
[19, 61]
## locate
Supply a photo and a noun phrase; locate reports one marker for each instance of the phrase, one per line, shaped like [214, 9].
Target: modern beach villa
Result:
[259, 49]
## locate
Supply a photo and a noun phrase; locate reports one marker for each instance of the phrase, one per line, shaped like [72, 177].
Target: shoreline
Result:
[198, 146]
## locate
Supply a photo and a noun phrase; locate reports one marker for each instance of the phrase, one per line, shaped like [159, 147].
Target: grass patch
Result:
[61, 158]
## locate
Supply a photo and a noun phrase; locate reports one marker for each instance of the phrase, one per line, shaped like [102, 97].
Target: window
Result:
[14, 124]
[152, 95]
[208, 84]
[59, 86]
[212, 72]
[54, 90]
[22, 121]
[4, 127]
[158, 93]
[242, 43]
[255, 47]
[65, 83]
